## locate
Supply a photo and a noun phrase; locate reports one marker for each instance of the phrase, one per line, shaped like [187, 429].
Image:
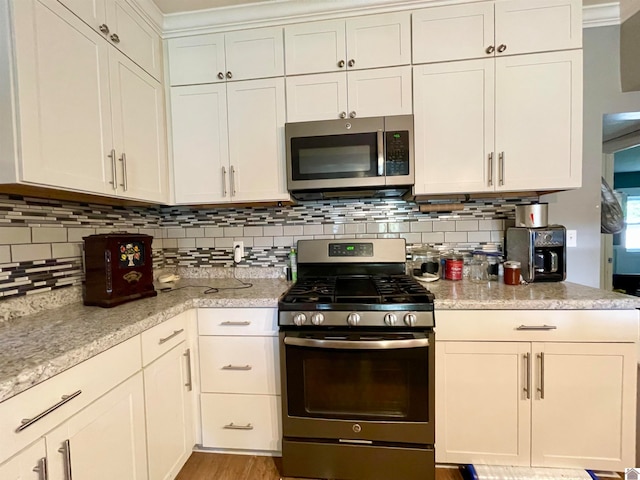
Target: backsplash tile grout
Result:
[41, 239]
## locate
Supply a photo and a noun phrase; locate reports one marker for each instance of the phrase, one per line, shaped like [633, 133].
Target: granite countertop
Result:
[37, 346]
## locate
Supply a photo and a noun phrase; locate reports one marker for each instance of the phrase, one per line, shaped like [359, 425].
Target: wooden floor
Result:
[214, 466]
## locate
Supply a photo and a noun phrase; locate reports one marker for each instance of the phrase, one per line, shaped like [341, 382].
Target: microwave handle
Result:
[380, 153]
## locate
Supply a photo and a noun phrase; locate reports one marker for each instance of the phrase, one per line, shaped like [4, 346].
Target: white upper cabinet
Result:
[359, 93]
[509, 124]
[241, 55]
[228, 142]
[507, 27]
[138, 131]
[64, 121]
[123, 28]
[364, 42]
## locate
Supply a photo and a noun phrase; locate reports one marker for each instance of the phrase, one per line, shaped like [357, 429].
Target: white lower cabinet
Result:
[29, 464]
[240, 382]
[553, 403]
[105, 440]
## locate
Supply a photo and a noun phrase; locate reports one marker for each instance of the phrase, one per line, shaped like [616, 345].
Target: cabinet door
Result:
[379, 92]
[523, 26]
[197, 59]
[138, 130]
[26, 465]
[170, 431]
[200, 143]
[539, 121]
[453, 120]
[104, 441]
[65, 116]
[379, 40]
[583, 413]
[456, 32]
[483, 413]
[317, 97]
[315, 47]
[256, 113]
[257, 53]
[92, 12]
[134, 37]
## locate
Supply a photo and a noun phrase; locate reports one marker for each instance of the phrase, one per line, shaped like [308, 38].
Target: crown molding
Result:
[150, 12]
[602, 15]
[282, 12]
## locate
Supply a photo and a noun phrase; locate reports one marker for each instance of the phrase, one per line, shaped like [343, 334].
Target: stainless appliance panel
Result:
[383, 250]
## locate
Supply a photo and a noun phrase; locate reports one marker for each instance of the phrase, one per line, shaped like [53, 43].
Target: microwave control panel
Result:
[397, 153]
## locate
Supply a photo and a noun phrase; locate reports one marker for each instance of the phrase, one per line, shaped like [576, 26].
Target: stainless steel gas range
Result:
[357, 364]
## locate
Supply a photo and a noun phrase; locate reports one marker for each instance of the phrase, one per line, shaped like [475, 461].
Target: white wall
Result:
[580, 209]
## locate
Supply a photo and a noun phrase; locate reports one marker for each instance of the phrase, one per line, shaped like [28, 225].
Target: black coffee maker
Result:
[540, 251]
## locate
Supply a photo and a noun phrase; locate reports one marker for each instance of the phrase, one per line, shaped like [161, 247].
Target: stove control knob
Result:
[390, 319]
[410, 319]
[317, 318]
[299, 319]
[353, 319]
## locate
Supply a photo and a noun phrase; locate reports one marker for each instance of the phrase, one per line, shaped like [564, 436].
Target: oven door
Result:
[358, 387]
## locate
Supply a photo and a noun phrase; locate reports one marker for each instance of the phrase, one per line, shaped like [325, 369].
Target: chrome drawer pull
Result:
[232, 426]
[174, 334]
[65, 450]
[237, 367]
[189, 383]
[41, 469]
[236, 324]
[537, 327]
[27, 422]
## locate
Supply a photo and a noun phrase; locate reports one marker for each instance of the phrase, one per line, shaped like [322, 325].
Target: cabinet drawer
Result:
[92, 378]
[239, 365]
[163, 337]
[249, 422]
[538, 325]
[238, 321]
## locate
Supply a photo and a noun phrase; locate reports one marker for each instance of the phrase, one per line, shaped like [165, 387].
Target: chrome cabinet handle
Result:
[236, 324]
[115, 38]
[541, 387]
[224, 182]
[65, 450]
[104, 28]
[490, 182]
[527, 386]
[380, 141]
[232, 179]
[221, 75]
[343, 114]
[237, 367]
[352, 114]
[229, 75]
[502, 48]
[174, 334]
[352, 62]
[501, 169]
[27, 422]
[356, 344]
[41, 469]
[125, 183]
[189, 383]
[490, 49]
[233, 426]
[536, 327]
[341, 64]
[114, 170]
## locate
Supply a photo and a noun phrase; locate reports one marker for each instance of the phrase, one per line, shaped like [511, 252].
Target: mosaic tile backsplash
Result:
[41, 240]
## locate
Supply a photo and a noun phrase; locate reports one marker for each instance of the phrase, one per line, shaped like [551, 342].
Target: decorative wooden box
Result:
[118, 268]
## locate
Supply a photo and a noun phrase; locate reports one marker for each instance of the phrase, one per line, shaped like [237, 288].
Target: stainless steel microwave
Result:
[350, 157]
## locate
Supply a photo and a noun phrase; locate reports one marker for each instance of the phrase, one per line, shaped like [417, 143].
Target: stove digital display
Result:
[351, 249]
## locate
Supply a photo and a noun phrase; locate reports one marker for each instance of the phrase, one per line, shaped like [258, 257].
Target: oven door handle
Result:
[357, 344]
